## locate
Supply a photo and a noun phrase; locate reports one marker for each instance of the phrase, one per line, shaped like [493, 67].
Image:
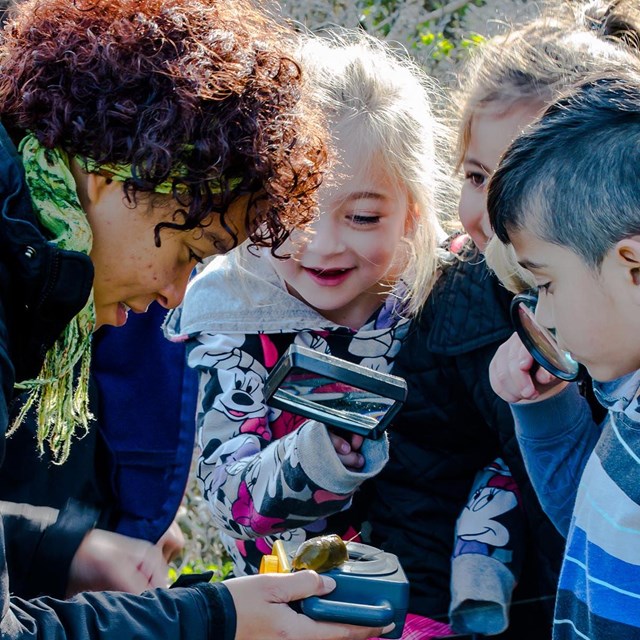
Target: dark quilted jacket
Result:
[451, 425]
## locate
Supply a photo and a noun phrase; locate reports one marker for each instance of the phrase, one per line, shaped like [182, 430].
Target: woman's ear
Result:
[96, 186]
[89, 186]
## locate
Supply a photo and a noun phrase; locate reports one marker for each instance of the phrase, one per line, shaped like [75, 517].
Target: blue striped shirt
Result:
[588, 480]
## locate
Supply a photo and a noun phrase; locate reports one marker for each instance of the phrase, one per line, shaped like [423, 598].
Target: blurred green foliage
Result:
[438, 34]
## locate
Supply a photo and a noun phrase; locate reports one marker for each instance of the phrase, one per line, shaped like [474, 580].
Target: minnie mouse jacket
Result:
[265, 473]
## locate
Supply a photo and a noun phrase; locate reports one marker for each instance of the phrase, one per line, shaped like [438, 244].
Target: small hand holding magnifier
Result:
[540, 341]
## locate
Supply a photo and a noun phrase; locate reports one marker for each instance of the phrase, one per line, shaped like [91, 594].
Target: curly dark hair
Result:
[209, 86]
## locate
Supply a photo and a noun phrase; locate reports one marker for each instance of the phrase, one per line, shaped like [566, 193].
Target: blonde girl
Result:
[345, 285]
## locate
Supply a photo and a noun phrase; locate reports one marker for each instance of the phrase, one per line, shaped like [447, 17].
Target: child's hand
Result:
[262, 610]
[108, 561]
[347, 446]
[514, 378]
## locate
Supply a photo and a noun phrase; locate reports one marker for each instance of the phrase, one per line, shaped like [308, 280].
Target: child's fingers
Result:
[549, 385]
[353, 460]
[341, 446]
[544, 377]
[356, 442]
[542, 380]
[509, 372]
[522, 357]
[347, 452]
[513, 378]
[513, 385]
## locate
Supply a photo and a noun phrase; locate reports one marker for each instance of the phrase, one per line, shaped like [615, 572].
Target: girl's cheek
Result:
[471, 215]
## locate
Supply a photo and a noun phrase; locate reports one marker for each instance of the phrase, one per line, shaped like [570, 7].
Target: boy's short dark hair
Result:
[574, 178]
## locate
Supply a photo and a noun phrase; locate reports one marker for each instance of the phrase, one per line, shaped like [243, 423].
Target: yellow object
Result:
[269, 564]
[277, 562]
[283, 558]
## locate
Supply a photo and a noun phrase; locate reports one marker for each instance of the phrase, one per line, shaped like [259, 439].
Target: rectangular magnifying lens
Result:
[333, 391]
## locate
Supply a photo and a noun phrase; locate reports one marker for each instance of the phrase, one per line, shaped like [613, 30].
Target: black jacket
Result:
[41, 289]
[128, 473]
[450, 427]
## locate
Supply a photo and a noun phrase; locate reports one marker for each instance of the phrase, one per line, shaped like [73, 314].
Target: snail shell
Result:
[321, 553]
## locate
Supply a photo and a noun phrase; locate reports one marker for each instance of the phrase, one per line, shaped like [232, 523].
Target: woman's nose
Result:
[171, 295]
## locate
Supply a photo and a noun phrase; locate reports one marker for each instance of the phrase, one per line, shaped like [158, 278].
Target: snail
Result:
[321, 553]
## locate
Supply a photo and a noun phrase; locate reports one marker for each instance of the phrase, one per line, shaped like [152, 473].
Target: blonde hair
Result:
[381, 100]
[535, 62]
[502, 260]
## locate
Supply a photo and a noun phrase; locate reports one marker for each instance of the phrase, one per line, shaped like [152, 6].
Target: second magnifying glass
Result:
[540, 341]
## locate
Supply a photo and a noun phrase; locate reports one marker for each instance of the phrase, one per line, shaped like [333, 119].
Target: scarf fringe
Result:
[60, 393]
[62, 406]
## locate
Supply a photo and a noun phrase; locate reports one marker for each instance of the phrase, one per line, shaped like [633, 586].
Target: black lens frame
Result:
[530, 298]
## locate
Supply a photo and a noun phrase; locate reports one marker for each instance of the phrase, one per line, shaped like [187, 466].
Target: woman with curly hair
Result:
[138, 137]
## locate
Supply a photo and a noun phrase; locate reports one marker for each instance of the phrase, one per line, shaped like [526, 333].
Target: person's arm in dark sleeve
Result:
[41, 543]
[202, 612]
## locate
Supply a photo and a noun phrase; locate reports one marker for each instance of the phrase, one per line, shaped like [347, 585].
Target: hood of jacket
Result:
[218, 298]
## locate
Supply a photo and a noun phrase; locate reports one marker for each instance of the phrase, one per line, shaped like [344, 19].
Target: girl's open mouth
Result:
[328, 277]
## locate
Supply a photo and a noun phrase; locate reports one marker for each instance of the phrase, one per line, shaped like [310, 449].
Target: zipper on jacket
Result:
[54, 269]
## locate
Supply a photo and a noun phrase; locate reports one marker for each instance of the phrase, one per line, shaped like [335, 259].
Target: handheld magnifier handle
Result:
[363, 615]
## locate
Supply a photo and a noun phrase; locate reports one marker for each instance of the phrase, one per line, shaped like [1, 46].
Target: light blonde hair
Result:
[382, 101]
[502, 260]
[533, 64]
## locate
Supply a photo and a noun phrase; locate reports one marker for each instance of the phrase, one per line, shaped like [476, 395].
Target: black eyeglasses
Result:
[540, 341]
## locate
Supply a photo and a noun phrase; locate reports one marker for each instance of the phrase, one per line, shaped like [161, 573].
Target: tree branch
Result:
[442, 11]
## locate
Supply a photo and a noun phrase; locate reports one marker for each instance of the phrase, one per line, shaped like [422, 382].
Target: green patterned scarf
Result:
[61, 390]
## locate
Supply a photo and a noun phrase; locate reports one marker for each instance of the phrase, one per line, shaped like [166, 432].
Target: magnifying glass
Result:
[540, 341]
[342, 394]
